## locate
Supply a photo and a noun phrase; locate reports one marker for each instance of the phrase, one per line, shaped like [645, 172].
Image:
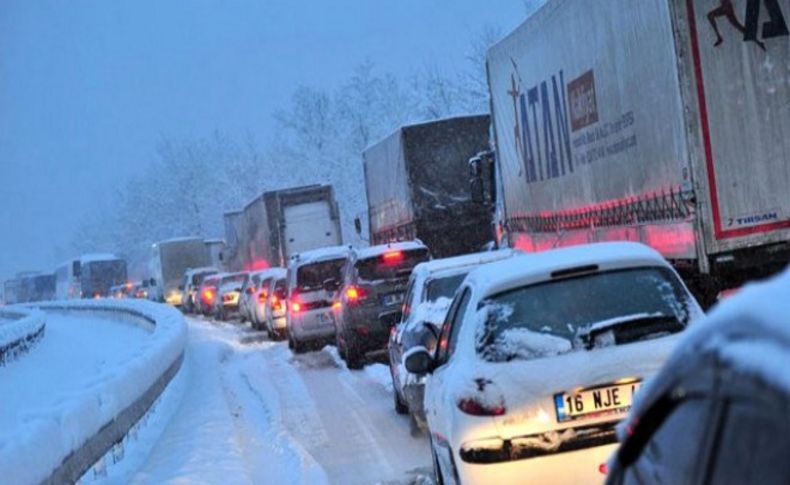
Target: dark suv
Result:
[371, 296]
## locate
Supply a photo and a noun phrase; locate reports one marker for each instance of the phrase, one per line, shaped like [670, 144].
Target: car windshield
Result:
[390, 265]
[311, 277]
[443, 287]
[593, 310]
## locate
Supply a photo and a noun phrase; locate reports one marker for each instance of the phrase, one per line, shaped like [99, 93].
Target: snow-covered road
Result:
[67, 360]
[252, 412]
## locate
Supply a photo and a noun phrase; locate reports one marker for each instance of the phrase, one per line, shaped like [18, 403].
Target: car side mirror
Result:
[418, 360]
[432, 329]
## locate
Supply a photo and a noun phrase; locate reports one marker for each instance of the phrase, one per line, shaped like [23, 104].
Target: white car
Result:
[257, 302]
[249, 295]
[539, 357]
[313, 279]
[431, 287]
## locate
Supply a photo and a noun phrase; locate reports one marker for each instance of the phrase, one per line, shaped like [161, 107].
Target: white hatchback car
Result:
[539, 357]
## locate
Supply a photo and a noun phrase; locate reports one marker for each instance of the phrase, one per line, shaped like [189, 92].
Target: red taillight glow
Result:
[476, 408]
[262, 297]
[337, 306]
[277, 305]
[296, 307]
[355, 294]
[603, 468]
[208, 296]
[392, 257]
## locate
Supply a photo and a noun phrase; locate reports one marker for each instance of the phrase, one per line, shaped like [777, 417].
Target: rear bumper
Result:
[309, 327]
[580, 466]
[370, 327]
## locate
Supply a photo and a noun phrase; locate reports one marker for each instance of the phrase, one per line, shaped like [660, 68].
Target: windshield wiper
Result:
[629, 328]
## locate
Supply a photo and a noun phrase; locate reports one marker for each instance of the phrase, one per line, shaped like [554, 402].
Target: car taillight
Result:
[208, 296]
[337, 306]
[355, 294]
[296, 307]
[262, 297]
[476, 408]
[603, 468]
[277, 304]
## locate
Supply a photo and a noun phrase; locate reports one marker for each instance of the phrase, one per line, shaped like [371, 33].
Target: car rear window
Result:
[311, 277]
[281, 288]
[594, 310]
[198, 278]
[234, 279]
[390, 264]
[443, 287]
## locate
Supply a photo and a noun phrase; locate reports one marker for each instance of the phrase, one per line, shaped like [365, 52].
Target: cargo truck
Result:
[281, 223]
[660, 121]
[417, 186]
[170, 259]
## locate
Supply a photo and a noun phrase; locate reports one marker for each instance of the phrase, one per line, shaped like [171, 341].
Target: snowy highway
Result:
[246, 410]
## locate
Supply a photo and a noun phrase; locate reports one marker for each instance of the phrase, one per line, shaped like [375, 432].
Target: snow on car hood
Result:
[526, 387]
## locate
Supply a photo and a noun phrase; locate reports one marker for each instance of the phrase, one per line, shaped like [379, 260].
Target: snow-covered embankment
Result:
[20, 330]
[58, 440]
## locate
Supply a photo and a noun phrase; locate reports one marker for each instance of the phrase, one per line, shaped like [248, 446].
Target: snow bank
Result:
[23, 329]
[61, 442]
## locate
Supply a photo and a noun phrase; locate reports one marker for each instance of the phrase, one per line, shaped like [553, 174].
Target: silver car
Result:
[313, 279]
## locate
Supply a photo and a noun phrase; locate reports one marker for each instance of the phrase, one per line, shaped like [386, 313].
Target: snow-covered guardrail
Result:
[59, 444]
[23, 328]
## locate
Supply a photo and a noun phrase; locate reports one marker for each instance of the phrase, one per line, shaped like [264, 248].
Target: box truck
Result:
[281, 223]
[661, 121]
[417, 186]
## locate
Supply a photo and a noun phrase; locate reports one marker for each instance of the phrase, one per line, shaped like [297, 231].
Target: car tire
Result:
[352, 356]
[400, 406]
[437, 470]
[296, 346]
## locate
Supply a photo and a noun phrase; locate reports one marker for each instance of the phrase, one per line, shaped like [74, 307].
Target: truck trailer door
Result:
[309, 226]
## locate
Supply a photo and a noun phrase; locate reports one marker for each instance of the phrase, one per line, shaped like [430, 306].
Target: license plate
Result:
[593, 403]
[392, 299]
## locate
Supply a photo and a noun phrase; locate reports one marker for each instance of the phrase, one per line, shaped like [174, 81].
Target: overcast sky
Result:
[88, 87]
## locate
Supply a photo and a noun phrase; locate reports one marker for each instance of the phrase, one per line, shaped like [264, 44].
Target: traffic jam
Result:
[586, 285]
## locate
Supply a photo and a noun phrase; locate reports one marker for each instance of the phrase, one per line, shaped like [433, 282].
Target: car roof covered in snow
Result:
[373, 251]
[271, 273]
[91, 258]
[321, 254]
[537, 267]
[466, 261]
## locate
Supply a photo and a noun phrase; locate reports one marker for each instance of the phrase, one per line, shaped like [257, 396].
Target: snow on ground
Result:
[253, 412]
